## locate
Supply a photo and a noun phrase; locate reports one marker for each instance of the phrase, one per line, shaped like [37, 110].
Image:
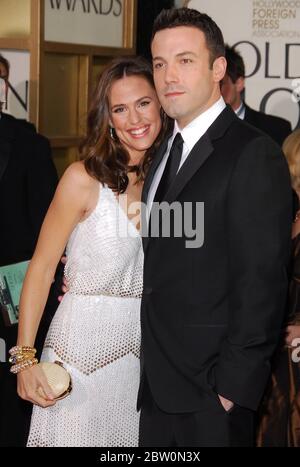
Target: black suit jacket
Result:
[211, 316]
[276, 127]
[28, 180]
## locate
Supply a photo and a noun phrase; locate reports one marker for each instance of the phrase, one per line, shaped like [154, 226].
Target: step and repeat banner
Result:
[85, 22]
[267, 34]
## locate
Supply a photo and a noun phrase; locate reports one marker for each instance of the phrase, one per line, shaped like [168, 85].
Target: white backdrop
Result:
[85, 22]
[267, 34]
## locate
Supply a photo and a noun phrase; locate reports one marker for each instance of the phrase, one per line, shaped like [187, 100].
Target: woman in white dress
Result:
[96, 330]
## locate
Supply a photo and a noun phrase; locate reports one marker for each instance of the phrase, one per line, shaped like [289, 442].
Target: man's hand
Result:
[64, 286]
[227, 404]
[292, 332]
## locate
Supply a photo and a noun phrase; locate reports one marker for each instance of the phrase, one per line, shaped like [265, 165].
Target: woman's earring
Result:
[111, 132]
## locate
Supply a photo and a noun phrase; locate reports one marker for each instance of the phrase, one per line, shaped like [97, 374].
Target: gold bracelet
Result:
[20, 357]
[17, 349]
[23, 365]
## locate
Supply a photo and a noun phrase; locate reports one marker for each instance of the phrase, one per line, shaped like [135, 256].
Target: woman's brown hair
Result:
[105, 158]
[291, 150]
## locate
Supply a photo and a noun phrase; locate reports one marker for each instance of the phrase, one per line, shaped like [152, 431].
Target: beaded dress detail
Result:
[95, 333]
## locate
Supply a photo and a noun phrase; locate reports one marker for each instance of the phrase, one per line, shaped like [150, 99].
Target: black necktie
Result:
[171, 168]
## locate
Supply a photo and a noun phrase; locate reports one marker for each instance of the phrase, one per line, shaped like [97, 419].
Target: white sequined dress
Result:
[96, 335]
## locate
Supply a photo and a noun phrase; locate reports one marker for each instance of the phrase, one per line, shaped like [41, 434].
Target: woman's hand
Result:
[292, 332]
[33, 387]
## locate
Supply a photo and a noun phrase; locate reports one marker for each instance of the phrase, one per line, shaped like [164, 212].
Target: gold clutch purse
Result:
[58, 378]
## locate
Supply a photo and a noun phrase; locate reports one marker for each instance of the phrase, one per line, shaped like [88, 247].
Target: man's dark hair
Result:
[235, 64]
[6, 65]
[175, 17]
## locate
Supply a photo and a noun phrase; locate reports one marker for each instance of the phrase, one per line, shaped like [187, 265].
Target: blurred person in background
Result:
[279, 423]
[232, 88]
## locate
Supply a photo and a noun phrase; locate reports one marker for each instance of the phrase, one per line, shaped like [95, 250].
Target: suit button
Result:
[147, 290]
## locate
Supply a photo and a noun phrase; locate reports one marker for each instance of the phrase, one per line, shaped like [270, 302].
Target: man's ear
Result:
[240, 84]
[219, 69]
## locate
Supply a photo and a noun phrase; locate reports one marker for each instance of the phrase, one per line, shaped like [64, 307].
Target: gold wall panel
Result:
[63, 157]
[14, 18]
[60, 95]
[99, 63]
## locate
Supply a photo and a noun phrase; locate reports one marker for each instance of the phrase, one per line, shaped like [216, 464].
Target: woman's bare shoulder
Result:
[76, 173]
[77, 187]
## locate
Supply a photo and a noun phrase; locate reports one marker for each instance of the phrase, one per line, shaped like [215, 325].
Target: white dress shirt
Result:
[190, 135]
[240, 111]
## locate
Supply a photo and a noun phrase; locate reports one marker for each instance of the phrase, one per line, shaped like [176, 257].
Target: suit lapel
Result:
[4, 156]
[200, 152]
[5, 145]
[147, 184]
[197, 157]
[249, 115]
[156, 161]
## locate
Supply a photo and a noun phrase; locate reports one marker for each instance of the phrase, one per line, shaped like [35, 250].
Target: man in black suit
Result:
[212, 306]
[232, 87]
[28, 180]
